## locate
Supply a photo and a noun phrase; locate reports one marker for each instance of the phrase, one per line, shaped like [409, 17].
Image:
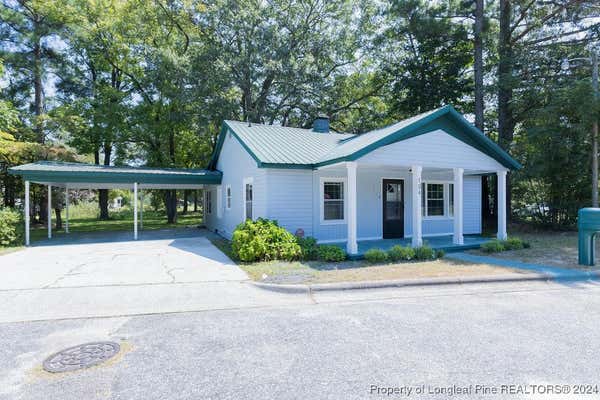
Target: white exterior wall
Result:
[436, 149]
[236, 164]
[289, 199]
[293, 196]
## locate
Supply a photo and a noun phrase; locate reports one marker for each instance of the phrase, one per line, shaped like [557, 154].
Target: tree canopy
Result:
[149, 82]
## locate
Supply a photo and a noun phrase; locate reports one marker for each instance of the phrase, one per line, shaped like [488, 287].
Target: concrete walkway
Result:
[556, 272]
[108, 275]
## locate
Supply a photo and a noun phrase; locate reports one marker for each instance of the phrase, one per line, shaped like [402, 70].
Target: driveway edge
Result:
[514, 277]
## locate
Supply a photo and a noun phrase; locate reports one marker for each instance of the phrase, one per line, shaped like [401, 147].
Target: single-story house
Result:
[420, 177]
[415, 179]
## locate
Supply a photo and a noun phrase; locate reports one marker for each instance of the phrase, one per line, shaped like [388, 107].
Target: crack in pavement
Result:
[70, 272]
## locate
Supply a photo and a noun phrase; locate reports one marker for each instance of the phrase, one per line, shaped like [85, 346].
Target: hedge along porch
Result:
[90, 176]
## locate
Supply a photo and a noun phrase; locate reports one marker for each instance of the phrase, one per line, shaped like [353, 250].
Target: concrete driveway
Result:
[109, 275]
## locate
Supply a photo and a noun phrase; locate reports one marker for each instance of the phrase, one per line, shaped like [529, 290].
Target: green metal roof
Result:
[282, 147]
[62, 172]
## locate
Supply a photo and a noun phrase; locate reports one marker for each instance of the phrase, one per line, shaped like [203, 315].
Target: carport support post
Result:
[49, 211]
[142, 210]
[67, 209]
[26, 213]
[135, 211]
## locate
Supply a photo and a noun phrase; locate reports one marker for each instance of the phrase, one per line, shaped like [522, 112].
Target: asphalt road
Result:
[341, 346]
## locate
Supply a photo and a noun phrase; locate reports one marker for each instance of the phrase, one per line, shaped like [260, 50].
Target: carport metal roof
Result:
[80, 175]
[92, 176]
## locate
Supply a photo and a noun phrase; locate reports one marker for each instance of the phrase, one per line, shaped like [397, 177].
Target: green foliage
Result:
[513, 244]
[11, 227]
[376, 256]
[424, 253]
[401, 253]
[496, 246]
[331, 253]
[309, 247]
[440, 253]
[264, 240]
[493, 246]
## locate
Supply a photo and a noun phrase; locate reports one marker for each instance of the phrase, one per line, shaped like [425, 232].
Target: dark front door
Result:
[393, 208]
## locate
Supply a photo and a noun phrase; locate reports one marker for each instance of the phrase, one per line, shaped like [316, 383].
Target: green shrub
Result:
[493, 246]
[264, 240]
[330, 253]
[11, 227]
[424, 253]
[308, 247]
[513, 244]
[400, 253]
[526, 245]
[440, 253]
[376, 256]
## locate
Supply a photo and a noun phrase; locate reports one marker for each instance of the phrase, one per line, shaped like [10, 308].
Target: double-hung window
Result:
[437, 199]
[228, 197]
[248, 198]
[332, 200]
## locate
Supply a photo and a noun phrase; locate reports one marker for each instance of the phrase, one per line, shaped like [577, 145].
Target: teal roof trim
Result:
[61, 172]
[327, 149]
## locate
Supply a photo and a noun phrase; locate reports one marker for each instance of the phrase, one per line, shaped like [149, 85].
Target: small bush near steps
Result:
[401, 253]
[330, 253]
[376, 256]
[496, 246]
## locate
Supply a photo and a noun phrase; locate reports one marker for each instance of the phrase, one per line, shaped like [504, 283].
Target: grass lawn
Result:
[298, 272]
[84, 218]
[551, 248]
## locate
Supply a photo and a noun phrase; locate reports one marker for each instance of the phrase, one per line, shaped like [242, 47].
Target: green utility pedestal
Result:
[588, 224]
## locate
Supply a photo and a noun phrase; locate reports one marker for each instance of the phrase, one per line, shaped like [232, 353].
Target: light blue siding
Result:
[289, 200]
[472, 204]
[236, 164]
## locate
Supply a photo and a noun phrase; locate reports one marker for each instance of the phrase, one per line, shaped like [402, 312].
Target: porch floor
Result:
[436, 242]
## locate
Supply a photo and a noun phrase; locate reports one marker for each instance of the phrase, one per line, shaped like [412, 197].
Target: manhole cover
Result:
[82, 356]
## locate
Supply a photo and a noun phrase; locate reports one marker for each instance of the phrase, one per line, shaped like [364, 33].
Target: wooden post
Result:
[135, 211]
[417, 218]
[502, 235]
[351, 244]
[49, 212]
[458, 206]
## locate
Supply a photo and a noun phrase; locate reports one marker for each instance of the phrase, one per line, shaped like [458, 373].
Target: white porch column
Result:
[417, 218]
[351, 245]
[26, 213]
[502, 205]
[135, 210]
[49, 212]
[458, 206]
[67, 209]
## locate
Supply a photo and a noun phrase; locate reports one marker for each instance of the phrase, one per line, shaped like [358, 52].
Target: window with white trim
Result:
[332, 200]
[437, 199]
[248, 199]
[208, 202]
[228, 197]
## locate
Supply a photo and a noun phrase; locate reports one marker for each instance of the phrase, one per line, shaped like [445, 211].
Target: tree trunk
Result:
[506, 122]
[58, 218]
[185, 201]
[478, 63]
[196, 200]
[38, 100]
[171, 206]
[103, 193]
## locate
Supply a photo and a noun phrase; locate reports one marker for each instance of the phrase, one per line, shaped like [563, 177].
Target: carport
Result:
[91, 176]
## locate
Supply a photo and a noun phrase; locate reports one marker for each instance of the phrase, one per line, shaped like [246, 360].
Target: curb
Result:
[515, 277]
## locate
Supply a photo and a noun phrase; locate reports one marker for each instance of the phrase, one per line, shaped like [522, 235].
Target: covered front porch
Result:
[445, 243]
